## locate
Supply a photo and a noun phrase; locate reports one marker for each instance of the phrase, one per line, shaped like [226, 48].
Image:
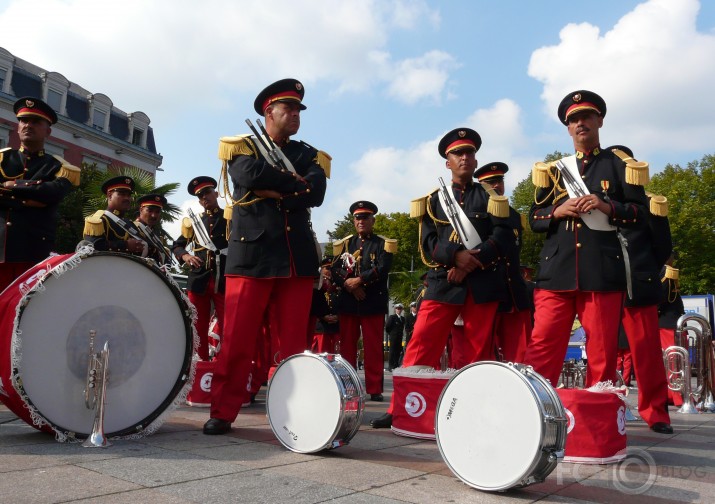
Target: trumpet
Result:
[95, 391]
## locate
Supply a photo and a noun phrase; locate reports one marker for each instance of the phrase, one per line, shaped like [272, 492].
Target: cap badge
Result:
[577, 97]
[29, 103]
[360, 205]
[462, 133]
[298, 86]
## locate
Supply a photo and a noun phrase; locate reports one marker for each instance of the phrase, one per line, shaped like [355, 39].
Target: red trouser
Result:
[641, 326]
[624, 364]
[247, 300]
[512, 331]
[10, 271]
[373, 327]
[600, 316]
[667, 338]
[325, 343]
[202, 302]
[434, 324]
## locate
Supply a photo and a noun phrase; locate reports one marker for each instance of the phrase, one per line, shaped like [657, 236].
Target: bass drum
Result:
[500, 426]
[314, 402]
[45, 319]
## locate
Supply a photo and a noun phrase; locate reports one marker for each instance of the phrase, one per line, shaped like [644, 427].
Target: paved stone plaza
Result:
[179, 464]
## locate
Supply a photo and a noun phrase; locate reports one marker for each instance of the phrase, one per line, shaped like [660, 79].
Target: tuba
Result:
[679, 368]
[95, 391]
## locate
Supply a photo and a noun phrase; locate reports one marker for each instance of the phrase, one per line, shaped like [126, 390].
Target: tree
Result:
[691, 198]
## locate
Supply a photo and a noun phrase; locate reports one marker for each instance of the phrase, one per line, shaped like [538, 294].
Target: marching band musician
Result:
[273, 255]
[459, 280]
[670, 309]
[206, 236]
[582, 270]
[325, 334]
[32, 184]
[360, 269]
[649, 246]
[513, 323]
[109, 230]
[150, 207]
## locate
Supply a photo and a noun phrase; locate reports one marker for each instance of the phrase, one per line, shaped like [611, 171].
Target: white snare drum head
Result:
[304, 403]
[489, 426]
[127, 303]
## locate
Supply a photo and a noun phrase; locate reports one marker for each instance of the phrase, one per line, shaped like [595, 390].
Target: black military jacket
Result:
[518, 294]
[28, 211]
[372, 267]
[574, 256]
[671, 307]
[112, 238]
[325, 303]
[198, 278]
[438, 247]
[274, 238]
[649, 246]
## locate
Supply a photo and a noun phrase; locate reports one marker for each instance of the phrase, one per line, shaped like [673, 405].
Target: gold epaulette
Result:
[498, 206]
[187, 228]
[390, 245]
[93, 225]
[672, 273]
[3, 151]
[68, 171]
[323, 159]
[636, 171]
[540, 174]
[339, 245]
[659, 206]
[230, 146]
[418, 206]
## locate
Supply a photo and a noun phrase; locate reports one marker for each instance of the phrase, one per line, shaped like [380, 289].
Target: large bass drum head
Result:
[489, 426]
[138, 311]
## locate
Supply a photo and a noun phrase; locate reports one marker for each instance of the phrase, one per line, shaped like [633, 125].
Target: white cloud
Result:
[414, 79]
[391, 177]
[157, 55]
[653, 68]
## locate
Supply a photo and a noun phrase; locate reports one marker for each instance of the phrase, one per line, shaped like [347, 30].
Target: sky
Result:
[386, 79]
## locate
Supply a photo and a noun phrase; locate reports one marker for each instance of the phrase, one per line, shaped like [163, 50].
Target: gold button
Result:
[243, 238]
[578, 245]
[287, 228]
[578, 225]
[9, 223]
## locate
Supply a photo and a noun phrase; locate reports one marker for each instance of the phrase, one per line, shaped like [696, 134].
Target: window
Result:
[3, 76]
[99, 119]
[137, 136]
[91, 161]
[54, 100]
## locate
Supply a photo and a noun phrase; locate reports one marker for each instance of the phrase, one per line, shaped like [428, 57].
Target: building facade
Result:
[90, 129]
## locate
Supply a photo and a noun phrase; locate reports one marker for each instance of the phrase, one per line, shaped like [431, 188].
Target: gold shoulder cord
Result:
[555, 179]
[426, 261]
[5, 175]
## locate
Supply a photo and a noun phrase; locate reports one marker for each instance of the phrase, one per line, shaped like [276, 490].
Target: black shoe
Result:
[216, 426]
[376, 397]
[383, 422]
[661, 428]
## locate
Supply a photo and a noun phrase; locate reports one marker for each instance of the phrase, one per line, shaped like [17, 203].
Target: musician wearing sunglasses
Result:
[513, 322]
[581, 203]
[272, 183]
[464, 235]
[150, 208]
[203, 246]
[360, 270]
[32, 185]
[109, 230]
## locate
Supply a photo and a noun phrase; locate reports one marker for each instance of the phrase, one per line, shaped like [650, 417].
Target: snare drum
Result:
[500, 426]
[314, 402]
[45, 319]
